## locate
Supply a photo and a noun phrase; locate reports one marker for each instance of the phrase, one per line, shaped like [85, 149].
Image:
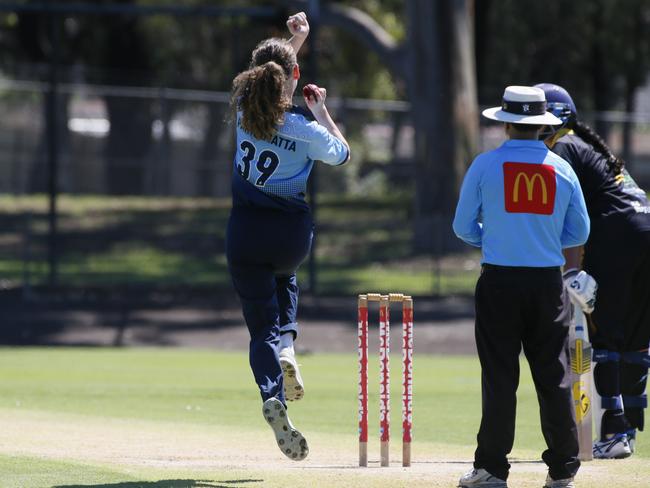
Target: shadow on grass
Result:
[170, 484]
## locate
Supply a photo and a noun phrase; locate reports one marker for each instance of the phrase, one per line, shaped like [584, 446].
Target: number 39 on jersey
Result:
[266, 163]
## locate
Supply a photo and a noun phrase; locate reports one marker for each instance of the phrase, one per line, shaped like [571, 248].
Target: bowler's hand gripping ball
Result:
[311, 91]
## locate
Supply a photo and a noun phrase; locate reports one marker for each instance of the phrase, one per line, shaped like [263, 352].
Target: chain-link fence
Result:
[144, 176]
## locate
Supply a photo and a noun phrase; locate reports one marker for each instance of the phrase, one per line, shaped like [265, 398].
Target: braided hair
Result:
[590, 136]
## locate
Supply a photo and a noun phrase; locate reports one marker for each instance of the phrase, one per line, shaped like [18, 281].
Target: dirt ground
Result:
[173, 449]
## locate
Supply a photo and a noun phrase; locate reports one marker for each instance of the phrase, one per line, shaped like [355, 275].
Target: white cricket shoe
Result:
[294, 388]
[290, 441]
[481, 479]
[617, 447]
[563, 483]
[631, 439]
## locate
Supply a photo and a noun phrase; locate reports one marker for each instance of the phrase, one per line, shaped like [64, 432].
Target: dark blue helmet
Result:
[559, 102]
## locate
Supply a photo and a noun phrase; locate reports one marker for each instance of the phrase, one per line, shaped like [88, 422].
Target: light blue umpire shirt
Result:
[521, 204]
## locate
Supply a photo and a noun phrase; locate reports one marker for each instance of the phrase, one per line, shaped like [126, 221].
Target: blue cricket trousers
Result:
[264, 248]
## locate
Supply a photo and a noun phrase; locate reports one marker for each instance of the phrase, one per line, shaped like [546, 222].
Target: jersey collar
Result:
[530, 143]
[552, 140]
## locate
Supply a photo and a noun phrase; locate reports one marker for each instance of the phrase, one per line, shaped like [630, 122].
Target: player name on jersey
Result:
[283, 143]
[276, 140]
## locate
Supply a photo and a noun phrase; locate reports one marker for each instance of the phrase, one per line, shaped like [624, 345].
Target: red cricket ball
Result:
[310, 91]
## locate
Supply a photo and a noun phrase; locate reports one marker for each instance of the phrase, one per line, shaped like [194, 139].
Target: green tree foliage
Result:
[595, 48]
[191, 52]
[347, 67]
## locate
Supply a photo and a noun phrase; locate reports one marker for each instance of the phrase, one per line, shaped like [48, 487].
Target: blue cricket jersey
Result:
[521, 204]
[273, 173]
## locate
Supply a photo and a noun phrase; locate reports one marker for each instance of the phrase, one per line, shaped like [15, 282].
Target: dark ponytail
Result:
[259, 94]
[590, 136]
[259, 91]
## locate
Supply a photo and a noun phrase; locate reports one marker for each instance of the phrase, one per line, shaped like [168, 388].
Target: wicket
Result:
[384, 381]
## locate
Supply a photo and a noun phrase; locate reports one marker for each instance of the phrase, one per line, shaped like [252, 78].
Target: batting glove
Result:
[581, 287]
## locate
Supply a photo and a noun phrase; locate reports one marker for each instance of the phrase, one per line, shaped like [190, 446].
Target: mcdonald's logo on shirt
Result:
[529, 188]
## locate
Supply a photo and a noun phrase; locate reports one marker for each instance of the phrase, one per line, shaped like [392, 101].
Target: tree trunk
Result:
[601, 77]
[635, 75]
[437, 63]
[127, 144]
[442, 91]
[38, 45]
[208, 182]
[38, 174]
[129, 139]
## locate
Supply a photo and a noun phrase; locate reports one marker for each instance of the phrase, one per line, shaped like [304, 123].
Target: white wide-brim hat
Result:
[522, 105]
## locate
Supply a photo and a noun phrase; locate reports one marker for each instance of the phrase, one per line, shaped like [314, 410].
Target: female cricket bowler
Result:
[270, 226]
[620, 322]
[522, 204]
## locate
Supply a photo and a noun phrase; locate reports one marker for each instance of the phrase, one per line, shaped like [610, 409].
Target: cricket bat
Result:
[581, 382]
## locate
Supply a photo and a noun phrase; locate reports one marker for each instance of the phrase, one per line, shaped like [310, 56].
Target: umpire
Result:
[522, 204]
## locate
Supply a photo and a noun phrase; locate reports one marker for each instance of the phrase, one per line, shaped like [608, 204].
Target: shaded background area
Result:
[115, 147]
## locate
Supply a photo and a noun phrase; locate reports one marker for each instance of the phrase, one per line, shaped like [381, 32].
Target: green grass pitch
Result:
[174, 418]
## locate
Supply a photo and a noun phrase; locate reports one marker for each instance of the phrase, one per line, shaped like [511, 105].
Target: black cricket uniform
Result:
[617, 255]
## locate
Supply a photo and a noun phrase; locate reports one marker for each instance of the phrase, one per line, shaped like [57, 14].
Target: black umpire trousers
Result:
[529, 307]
